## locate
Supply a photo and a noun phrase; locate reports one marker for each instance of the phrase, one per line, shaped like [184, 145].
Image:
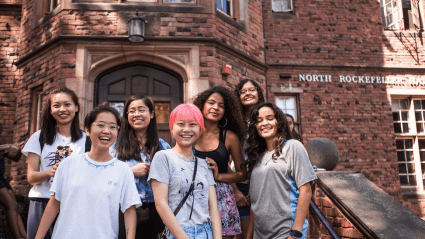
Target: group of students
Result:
[118, 179]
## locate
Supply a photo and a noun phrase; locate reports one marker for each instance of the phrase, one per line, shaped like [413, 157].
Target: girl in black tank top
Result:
[225, 130]
[220, 155]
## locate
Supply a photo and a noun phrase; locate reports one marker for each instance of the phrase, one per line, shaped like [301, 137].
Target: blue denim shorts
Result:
[203, 231]
[293, 205]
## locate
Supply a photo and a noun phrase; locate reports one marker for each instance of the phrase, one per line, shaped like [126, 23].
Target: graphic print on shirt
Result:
[186, 181]
[54, 157]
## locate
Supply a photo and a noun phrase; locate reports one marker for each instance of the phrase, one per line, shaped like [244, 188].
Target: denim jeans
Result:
[293, 205]
[203, 231]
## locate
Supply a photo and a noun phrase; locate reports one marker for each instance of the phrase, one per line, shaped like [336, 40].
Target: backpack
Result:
[87, 146]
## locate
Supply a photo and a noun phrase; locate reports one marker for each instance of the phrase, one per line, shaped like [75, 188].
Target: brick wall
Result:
[343, 227]
[338, 33]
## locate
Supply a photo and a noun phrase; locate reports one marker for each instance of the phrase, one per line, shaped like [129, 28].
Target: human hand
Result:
[53, 169]
[213, 165]
[290, 237]
[248, 198]
[141, 169]
[240, 199]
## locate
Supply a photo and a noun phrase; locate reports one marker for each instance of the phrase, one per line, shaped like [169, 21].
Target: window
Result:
[402, 14]
[44, 7]
[289, 105]
[282, 5]
[409, 122]
[37, 108]
[225, 6]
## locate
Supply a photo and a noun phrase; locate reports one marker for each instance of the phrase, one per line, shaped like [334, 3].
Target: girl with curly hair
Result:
[224, 132]
[274, 158]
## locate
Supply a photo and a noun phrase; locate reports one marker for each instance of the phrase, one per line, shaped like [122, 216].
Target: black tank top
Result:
[220, 155]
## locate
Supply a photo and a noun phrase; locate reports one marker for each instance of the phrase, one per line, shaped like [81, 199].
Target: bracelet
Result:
[292, 235]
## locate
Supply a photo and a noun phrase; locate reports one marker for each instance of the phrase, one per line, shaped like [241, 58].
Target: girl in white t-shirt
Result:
[89, 189]
[46, 147]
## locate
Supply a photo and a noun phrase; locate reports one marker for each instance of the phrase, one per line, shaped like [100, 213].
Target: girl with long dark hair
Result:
[137, 144]
[89, 189]
[274, 159]
[249, 94]
[59, 128]
[224, 132]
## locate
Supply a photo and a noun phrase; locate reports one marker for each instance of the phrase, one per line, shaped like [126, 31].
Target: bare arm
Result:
[250, 233]
[33, 172]
[49, 215]
[234, 147]
[160, 194]
[214, 213]
[302, 208]
[13, 151]
[130, 221]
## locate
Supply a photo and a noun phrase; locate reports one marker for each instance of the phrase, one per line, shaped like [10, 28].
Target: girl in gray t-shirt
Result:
[273, 164]
[171, 174]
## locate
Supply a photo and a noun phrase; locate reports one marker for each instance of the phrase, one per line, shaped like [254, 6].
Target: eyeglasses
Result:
[101, 126]
[250, 90]
[134, 112]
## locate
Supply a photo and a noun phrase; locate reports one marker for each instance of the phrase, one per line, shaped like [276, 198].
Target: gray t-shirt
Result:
[270, 189]
[177, 171]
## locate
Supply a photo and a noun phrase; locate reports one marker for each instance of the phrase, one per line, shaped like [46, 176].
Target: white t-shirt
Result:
[49, 155]
[90, 195]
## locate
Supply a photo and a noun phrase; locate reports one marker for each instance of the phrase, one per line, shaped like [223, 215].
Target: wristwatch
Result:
[296, 234]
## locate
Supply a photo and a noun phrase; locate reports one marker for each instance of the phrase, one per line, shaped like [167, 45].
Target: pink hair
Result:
[187, 112]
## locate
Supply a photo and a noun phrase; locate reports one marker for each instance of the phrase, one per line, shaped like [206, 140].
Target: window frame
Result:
[234, 5]
[284, 11]
[297, 120]
[411, 134]
[418, 22]
[36, 108]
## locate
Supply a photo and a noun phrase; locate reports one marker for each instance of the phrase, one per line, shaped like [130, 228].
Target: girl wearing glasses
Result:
[249, 94]
[137, 144]
[171, 176]
[275, 159]
[59, 128]
[90, 188]
[224, 131]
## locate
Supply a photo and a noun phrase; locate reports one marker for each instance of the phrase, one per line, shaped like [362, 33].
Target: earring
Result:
[222, 126]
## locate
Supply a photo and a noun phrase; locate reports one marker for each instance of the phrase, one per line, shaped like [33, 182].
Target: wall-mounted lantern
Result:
[136, 31]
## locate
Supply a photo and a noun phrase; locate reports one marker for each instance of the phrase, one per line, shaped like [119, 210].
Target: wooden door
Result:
[163, 87]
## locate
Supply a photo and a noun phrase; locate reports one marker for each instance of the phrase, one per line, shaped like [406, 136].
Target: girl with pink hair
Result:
[183, 185]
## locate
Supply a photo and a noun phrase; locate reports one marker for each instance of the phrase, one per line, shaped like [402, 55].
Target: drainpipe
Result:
[263, 3]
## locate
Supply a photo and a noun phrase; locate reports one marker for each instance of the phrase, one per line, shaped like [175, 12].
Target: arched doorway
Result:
[163, 87]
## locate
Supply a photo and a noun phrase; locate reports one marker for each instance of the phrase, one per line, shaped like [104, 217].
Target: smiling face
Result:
[266, 123]
[104, 131]
[139, 116]
[63, 108]
[214, 108]
[250, 97]
[185, 132]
